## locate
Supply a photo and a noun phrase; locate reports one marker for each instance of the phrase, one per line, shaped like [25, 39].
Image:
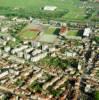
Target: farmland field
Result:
[66, 9]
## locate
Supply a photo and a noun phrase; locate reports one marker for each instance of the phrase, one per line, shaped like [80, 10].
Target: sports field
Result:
[66, 9]
[72, 33]
[52, 30]
[28, 35]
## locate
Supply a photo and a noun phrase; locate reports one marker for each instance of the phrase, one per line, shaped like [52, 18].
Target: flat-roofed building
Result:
[87, 32]
[50, 8]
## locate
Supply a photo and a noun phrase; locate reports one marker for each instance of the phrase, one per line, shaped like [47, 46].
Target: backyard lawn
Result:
[50, 30]
[97, 39]
[97, 95]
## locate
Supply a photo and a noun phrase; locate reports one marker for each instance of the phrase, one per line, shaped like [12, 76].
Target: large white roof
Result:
[50, 8]
[87, 32]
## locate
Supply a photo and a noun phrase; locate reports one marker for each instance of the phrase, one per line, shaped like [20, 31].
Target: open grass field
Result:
[36, 5]
[72, 33]
[52, 30]
[75, 8]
